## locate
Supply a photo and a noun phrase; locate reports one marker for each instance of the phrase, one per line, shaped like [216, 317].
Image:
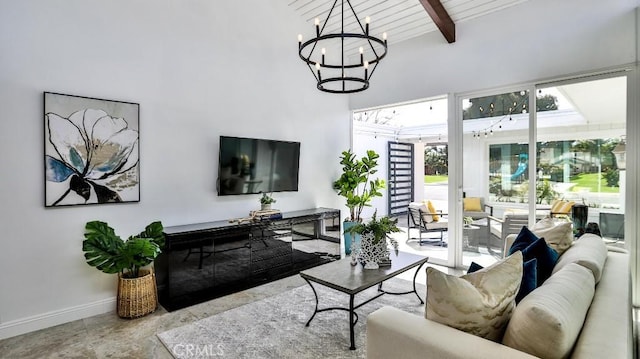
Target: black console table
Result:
[203, 261]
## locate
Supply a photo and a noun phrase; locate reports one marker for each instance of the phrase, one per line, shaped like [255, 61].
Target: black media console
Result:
[203, 261]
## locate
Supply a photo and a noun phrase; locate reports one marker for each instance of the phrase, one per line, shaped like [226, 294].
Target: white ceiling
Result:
[401, 19]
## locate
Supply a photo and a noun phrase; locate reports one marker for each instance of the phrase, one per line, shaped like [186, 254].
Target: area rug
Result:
[275, 327]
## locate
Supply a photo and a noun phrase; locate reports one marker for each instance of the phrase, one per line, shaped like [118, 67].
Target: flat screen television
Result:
[251, 165]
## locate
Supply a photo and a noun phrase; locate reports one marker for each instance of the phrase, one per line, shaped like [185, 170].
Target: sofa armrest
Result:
[393, 333]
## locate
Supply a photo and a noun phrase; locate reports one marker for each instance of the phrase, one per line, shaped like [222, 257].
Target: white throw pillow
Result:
[547, 322]
[557, 233]
[589, 251]
[478, 303]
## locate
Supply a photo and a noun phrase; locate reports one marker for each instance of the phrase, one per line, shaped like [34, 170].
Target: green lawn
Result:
[428, 179]
[590, 181]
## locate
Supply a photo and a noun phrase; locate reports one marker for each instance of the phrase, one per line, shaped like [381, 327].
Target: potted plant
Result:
[373, 248]
[103, 249]
[357, 187]
[266, 201]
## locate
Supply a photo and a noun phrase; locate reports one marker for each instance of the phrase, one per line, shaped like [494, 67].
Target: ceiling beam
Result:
[441, 18]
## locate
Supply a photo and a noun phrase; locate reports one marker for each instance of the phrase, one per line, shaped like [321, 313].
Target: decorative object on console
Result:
[372, 250]
[91, 150]
[103, 249]
[352, 185]
[266, 200]
[330, 56]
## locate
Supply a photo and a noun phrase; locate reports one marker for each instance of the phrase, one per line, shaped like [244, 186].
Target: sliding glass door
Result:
[495, 170]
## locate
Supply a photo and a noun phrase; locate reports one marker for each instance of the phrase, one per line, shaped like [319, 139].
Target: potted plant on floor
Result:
[357, 188]
[103, 249]
[373, 248]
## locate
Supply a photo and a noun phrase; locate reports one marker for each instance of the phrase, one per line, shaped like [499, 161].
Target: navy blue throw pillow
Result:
[524, 239]
[546, 259]
[529, 279]
[473, 267]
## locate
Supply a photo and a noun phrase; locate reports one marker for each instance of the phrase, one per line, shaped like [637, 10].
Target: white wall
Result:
[534, 40]
[199, 69]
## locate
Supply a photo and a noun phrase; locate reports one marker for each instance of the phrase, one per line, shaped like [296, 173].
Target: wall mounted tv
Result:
[251, 165]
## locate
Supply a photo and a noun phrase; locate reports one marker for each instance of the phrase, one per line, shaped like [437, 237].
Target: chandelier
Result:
[342, 62]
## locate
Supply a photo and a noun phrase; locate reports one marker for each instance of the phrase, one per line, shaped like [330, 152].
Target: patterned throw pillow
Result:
[478, 303]
[529, 277]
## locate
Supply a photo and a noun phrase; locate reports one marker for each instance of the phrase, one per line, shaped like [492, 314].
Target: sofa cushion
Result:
[548, 321]
[588, 251]
[479, 303]
[557, 233]
[431, 208]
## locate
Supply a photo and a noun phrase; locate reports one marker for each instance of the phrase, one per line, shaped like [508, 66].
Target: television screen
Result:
[250, 165]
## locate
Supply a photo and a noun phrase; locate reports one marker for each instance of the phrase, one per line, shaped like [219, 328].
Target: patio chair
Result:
[561, 208]
[481, 214]
[420, 217]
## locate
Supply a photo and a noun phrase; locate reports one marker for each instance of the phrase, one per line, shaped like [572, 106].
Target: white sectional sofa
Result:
[605, 333]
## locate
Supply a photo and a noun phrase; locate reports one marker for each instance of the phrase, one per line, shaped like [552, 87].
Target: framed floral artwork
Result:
[91, 150]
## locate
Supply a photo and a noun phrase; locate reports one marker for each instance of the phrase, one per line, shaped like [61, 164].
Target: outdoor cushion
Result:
[478, 303]
[472, 204]
[432, 210]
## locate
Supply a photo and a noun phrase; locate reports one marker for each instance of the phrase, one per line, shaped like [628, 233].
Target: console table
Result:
[202, 261]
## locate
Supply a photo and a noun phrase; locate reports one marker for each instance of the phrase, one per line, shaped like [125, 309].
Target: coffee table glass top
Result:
[342, 276]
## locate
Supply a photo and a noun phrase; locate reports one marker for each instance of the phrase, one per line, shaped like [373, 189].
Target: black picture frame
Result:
[91, 151]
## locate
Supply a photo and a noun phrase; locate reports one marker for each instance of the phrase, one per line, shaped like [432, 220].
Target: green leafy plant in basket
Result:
[107, 252]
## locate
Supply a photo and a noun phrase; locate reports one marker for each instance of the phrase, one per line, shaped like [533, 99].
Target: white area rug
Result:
[275, 327]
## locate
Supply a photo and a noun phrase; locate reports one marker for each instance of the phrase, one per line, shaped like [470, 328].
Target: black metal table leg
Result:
[316, 309]
[415, 275]
[351, 323]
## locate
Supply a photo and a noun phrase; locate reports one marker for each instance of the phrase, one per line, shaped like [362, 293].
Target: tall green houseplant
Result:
[357, 187]
[355, 183]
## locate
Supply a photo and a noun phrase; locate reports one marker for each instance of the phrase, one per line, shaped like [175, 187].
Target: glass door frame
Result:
[455, 129]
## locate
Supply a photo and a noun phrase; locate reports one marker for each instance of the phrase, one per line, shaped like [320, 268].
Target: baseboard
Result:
[50, 319]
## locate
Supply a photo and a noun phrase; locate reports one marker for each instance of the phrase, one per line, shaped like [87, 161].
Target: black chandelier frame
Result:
[362, 83]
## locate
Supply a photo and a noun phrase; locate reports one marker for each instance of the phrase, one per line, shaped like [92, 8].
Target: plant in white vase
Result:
[373, 247]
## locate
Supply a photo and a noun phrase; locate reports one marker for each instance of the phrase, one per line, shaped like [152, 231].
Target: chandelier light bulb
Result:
[317, 22]
[318, 66]
[299, 37]
[384, 36]
[361, 49]
[366, 64]
[367, 20]
[324, 51]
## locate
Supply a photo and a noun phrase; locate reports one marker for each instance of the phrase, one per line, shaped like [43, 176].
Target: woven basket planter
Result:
[137, 297]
